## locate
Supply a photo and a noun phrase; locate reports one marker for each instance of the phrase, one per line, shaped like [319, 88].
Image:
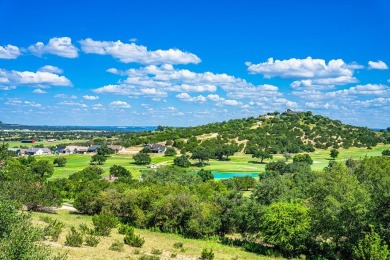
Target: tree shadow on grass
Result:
[257, 162]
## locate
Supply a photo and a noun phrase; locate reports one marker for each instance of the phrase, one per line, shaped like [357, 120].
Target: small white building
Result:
[38, 151]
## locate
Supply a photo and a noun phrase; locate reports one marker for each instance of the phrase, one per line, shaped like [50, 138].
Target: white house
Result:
[38, 151]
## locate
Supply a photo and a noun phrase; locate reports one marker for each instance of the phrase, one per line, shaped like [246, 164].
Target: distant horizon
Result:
[182, 63]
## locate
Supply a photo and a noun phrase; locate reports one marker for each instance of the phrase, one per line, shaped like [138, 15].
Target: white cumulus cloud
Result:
[86, 97]
[9, 52]
[39, 91]
[53, 69]
[120, 104]
[302, 68]
[131, 52]
[377, 65]
[41, 78]
[188, 98]
[61, 46]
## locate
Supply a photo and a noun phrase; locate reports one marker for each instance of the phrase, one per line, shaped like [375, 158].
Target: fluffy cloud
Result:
[9, 52]
[377, 65]
[229, 102]
[39, 91]
[61, 46]
[120, 104]
[72, 103]
[165, 78]
[323, 83]
[64, 96]
[303, 68]
[41, 78]
[131, 52]
[86, 97]
[188, 98]
[98, 107]
[53, 69]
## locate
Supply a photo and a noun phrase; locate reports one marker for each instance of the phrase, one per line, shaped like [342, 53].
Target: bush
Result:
[134, 240]
[104, 223]
[149, 257]
[156, 251]
[54, 229]
[74, 238]
[207, 254]
[131, 239]
[178, 245]
[86, 230]
[92, 241]
[125, 229]
[117, 246]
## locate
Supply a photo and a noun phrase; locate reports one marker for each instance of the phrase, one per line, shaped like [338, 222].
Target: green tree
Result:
[170, 151]
[142, 158]
[182, 161]
[99, 159]
[262, 155]
[104, 150]
[42, 168]
[386, 152]
[19, 239]
[119, 171]
[371, 247]
[205, 175]
[303, 158]
[287, 226]
[339, 209]
[334, 153]
[60, 161]
[201, 154]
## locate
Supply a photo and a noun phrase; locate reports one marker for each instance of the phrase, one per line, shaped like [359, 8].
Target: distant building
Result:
[156, 148]
[27, 141]
[81, 149]
[116, 148]
[38, 151]
[93, 148]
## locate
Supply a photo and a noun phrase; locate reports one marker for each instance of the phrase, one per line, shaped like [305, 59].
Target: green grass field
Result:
[240, 162]
[153, 240]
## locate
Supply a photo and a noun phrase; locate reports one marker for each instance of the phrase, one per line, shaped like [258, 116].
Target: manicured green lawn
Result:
[240, 162]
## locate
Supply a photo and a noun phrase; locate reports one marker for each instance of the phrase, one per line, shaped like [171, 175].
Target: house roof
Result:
[115, 147]
[35, 150]
[93, 148]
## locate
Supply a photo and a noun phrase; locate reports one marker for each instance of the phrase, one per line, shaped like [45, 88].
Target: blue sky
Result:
[184, 63]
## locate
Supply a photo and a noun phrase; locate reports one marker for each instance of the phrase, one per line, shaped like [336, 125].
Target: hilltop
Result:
[275, 132]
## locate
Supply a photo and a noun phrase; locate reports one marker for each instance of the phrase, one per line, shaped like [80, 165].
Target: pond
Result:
[228, 175]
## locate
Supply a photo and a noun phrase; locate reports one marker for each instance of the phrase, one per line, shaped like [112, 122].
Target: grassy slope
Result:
[153, 240]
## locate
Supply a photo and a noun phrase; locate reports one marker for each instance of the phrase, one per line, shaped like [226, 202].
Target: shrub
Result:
[54, 229]
[103, 223]
[131, 239]
[117, 246]
[156, 251]
[207, 254]
[173, 255]
[86, 230]
[149, 257]
[92, 241]
[124, 229]
[178, 245]
[74, 238]
[136, 251]
[134, 240]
